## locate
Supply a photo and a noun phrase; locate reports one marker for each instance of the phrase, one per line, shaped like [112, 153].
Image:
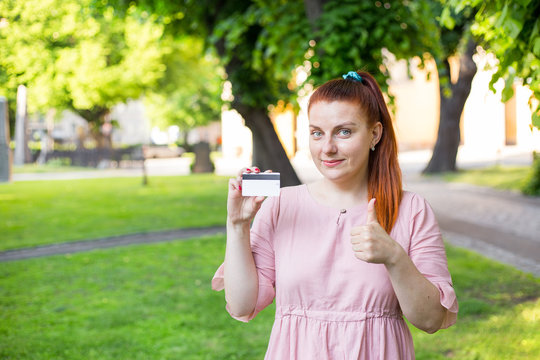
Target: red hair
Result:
[384, 174]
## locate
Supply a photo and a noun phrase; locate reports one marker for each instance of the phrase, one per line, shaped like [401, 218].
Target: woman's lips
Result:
[331, 163]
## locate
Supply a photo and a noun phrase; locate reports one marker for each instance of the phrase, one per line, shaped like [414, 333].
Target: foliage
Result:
[189, 93]
[44, 212]
[454, 29]
[531, 185]
[69, 57]
[351, 35]
[155, 302]
[277, 42]
[253, 42]
[511, 31]
[272, 39]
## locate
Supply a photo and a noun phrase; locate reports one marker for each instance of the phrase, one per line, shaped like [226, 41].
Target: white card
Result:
[260, 184]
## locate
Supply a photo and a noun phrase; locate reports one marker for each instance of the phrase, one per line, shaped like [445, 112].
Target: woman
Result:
[345, 257]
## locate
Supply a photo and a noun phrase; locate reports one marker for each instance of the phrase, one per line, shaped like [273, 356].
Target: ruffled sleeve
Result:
[428, 254]
[261, 236]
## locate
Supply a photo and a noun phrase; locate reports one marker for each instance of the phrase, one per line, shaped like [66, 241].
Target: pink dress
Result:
[329, 304]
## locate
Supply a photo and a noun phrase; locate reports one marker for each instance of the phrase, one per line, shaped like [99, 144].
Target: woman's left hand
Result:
[371, 243]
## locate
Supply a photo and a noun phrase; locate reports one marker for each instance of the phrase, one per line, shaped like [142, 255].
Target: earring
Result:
[373, 148]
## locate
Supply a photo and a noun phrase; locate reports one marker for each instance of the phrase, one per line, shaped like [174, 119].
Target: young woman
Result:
[345, 257]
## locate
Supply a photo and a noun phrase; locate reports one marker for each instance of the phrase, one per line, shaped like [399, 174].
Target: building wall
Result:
[416, 111]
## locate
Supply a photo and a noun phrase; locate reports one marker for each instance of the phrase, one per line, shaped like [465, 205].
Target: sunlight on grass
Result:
[137, 302]
[44, 212]
[501, 177]
[492, 300]
[531, 315]
[155, 302]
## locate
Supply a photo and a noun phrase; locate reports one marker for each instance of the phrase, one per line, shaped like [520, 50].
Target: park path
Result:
[501, 225]
[108, 242]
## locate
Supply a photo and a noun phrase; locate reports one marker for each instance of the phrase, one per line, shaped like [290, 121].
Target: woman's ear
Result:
[376, 133]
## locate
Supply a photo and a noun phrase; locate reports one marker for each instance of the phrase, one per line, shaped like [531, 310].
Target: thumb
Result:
[371, 213]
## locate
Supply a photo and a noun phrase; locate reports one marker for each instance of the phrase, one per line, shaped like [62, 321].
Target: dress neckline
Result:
[356, 208]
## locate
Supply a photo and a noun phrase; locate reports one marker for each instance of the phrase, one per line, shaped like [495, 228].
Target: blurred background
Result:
[97, 94]
[94, 83]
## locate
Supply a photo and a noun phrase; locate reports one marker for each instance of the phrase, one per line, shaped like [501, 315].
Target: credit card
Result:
[261, 184]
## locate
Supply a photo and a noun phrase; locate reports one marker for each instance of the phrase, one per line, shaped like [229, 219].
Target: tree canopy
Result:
[189, 93]
[82, 56]
[71, 57]
[511, 31]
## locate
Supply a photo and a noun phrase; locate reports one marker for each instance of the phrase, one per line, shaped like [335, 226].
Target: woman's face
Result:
[340, 141]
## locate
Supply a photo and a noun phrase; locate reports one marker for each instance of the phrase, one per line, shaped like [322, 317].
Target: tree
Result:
[351, 35]
[454, 39]
[71, 57]
[233, 29]
[262, 43]
[189, 93]
[511, 31]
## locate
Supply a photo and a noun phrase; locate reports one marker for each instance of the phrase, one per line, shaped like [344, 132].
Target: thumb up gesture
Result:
[371, 243]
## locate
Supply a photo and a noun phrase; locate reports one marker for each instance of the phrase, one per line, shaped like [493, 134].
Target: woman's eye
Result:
[344, 132]
[316, 134]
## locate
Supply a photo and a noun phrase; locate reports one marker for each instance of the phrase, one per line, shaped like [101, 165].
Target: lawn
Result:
[500, 177]
[44, 212]
[155, 302]
[137, 302]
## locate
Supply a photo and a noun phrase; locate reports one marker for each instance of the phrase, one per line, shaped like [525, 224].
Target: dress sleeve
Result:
[428, 254]
[261, 236]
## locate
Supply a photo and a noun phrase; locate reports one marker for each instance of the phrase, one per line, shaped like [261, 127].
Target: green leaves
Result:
[69, 58]
[189, 93]
[352, 35]
[510, 30]
[446, 19]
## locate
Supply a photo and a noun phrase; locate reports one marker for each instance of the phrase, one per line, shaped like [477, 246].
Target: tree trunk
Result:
[448, 137]
[268, 152]
[314, 10]
[96, 118]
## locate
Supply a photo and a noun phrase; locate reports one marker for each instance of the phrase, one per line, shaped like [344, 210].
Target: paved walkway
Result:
[502, 225]
[108, 242]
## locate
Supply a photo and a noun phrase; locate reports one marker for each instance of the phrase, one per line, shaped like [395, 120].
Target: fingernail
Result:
[257, 169]
[240, 187]
[248, 170]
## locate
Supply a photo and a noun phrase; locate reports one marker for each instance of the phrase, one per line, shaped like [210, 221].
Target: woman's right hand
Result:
[242, 209]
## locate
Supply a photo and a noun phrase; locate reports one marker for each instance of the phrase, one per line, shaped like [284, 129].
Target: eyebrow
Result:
[337, 126]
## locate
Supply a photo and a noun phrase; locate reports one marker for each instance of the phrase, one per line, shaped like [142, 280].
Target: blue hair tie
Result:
[353, 75]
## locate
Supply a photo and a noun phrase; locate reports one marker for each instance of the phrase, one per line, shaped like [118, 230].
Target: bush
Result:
[532, 182]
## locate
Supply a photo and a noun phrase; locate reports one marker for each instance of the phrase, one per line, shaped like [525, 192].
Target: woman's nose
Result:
[329, 146]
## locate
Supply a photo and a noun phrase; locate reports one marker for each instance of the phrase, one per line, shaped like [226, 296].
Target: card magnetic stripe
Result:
[260, 176]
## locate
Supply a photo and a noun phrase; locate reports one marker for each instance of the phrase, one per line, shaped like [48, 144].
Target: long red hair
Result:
[384, 173]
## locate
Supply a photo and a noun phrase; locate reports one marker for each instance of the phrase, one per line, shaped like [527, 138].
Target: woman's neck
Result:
[339, 195]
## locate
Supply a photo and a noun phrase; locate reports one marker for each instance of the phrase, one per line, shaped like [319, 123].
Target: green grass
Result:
[500, 177]
[155, 302]
[499, 313]
[137, 302]
[44, 212]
